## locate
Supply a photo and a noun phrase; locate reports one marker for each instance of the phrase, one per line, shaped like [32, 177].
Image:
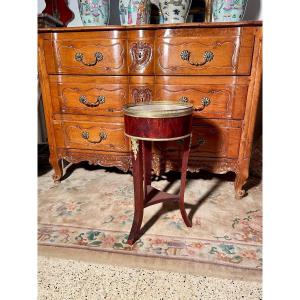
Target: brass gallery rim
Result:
[158, 139]
[158, 109]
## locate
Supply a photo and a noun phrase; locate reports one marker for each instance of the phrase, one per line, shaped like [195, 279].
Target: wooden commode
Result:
[87, 74]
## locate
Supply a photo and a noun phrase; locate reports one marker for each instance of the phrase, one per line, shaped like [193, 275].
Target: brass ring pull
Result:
[102, 135]
[184, 99]
[98, 57]
[205, 102]
[207, 56]
[201, 141]
[84, 100]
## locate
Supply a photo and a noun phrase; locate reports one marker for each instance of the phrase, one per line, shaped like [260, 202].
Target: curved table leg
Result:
[185, 158]
[137, 168]
[147, 160]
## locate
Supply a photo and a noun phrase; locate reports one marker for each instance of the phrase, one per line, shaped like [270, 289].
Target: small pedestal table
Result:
[155, 121]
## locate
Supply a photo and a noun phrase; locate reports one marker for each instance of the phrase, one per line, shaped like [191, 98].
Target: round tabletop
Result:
[158, 120]
[158, 109]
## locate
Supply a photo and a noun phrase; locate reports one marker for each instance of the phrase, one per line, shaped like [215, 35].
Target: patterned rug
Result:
[93, 209]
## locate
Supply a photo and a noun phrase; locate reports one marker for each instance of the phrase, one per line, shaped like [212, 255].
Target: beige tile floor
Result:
[69, 279]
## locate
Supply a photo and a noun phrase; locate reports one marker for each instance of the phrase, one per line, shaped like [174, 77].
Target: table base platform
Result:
[155, 196]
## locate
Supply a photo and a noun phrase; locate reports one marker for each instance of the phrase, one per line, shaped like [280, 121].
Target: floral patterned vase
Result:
[94, 12]
[228, 10]
[134, 12]
[173, 11]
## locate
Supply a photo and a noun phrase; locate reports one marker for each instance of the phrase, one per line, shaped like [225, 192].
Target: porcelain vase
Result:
[173, 11]
[134, 12]
[94, 12]
[228, 10]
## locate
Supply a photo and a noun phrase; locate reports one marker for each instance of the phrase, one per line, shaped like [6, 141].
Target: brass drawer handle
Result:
[207, 56]
[98, 57]
[102, 135]
[205, 102]
[84, 100]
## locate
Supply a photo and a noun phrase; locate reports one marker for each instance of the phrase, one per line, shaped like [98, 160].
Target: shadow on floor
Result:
[172, 177]
[70, 168]
[172, 206]
[44, 165]
[43, 159]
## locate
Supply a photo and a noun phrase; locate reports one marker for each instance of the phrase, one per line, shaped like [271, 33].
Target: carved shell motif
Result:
[141, 54]
[141, 94]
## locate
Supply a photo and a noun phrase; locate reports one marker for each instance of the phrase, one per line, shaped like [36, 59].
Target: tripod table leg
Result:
[137, 166]
[185, 157]
[147, 154]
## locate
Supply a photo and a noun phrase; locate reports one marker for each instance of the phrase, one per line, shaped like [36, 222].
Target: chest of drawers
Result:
[87, 74]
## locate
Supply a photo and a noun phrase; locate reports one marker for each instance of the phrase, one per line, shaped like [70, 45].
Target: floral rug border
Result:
[221, 251]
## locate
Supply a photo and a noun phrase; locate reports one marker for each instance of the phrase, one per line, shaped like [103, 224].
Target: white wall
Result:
[253, 11]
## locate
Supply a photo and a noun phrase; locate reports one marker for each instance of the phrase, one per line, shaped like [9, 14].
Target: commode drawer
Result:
[215, 139]
[91, 135]
[210, 138]
[209, 100]
[102, 52]
[215, 51]
[89, 95]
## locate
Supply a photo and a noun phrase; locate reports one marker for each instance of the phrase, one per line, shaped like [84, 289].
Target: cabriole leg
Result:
[240, 180]
[57, 167]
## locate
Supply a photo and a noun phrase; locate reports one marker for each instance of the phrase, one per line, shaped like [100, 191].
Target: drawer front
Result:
[91, 135]
[215, 140]
[90, 96]
[209, 101]
[210, 138]
[205, 53]
[90, 54]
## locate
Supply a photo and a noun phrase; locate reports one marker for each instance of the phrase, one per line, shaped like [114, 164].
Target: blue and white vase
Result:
[173, 11]
[228, 10]
[94, 12]
[134, 12]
